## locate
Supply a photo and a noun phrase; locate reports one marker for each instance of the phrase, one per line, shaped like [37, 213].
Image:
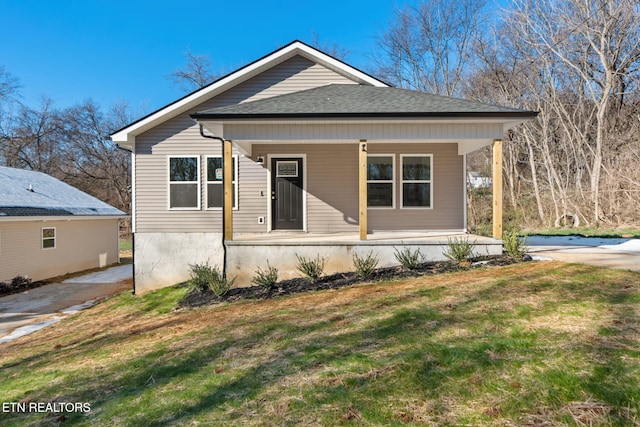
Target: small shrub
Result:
[201, 276]
[266, 278]
[312, 269]
[365, 266]
[204, 276]
[220, 285]
[20, 282]
[17, 284]
[409, 259]
[514, 245]
[459, 250]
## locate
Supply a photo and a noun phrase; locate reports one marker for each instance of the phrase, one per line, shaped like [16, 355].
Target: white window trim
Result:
[170, 183]
[207, 182]
[422, 181]
[386, 181]
[54, 238]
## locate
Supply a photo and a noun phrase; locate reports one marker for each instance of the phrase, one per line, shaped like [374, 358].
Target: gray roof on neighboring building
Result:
[359, 101]
[28, 193]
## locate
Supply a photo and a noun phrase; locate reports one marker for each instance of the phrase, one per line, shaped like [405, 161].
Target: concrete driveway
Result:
[619, 253]
[26, 312]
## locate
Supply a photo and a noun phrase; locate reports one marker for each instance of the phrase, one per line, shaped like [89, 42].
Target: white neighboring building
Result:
[49, 228]
[475, 180]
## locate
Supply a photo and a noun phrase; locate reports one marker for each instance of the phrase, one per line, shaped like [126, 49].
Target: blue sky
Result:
[113, 51]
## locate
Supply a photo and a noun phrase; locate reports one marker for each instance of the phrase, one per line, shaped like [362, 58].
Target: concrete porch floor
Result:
[301, 238]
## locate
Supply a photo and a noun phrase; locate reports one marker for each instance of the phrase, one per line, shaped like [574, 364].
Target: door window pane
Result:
[287, 169]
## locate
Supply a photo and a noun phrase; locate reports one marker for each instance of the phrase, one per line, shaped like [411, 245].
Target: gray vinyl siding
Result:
[332, 188]
[447, 186]
[79, 244]
[332, 191]
[180, 136]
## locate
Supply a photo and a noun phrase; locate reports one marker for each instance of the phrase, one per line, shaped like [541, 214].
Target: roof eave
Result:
[510, 115]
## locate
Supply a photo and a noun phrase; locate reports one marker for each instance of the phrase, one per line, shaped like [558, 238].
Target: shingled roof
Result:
[27, 193]
[360, 101]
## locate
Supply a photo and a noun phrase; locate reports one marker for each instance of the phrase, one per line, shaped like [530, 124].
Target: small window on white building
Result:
[184, 183]
[48, 238]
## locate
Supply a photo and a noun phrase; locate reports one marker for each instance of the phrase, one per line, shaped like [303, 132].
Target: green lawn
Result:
[539, 343]
[125, 245]
[588, 232]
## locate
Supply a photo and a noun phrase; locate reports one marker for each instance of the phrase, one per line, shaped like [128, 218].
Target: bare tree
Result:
[9, 84]
[591, 49]
[32, 140]
[196, 73]
[429, 47]
[332, 49]
[93, 163]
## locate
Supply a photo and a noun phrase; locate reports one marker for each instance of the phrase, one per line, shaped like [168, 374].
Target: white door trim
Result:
[304, 187]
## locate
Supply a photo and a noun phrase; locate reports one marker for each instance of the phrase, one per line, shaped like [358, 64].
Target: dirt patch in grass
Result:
[336, 281]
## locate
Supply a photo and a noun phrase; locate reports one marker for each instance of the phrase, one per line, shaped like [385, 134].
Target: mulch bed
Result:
[19, 284]
[335, 281]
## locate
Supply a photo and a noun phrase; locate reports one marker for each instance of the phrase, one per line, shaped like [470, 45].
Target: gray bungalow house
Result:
[49, 228]
[300, 153]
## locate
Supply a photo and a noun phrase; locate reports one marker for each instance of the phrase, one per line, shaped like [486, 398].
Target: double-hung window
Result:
[48, 238]
[380, 183]
[184, 182]
[215, 192]
[416, 180]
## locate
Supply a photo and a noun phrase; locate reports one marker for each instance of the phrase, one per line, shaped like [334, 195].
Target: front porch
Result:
[247, 252]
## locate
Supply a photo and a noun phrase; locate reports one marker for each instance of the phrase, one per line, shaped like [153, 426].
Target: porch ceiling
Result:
[470, 134]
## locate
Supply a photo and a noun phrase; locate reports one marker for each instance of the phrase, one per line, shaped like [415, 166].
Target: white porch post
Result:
[497, 189]
[228, 189]
[362, 187]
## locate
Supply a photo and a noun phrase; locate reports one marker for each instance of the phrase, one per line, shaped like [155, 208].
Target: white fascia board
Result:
[507, 123]
[126, 136]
